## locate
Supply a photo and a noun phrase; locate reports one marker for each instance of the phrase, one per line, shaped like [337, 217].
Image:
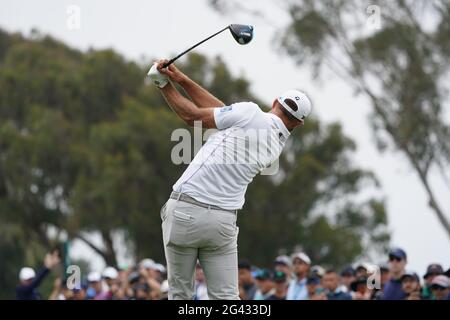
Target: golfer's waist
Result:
[185, 198]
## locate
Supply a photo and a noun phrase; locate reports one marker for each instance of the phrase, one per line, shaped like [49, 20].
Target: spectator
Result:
[95, 290]
[393, 288]
[297, 288]
[284, 264]
[148, 266]
[361, 270]
[147, 276]
[201, 292]
[160, 272]
[411, 285]
[142, 291]
[281, 285]
[377, 292]
[314, 288]
[384, 275]
[80, 293]
[440, 286]
[246, 281]
[30, 281]
[265, 285]
[433, 270]
[318, 271]
[110, 276]
[331, 282]
[348, 275]
[134, 280]
[360, 289]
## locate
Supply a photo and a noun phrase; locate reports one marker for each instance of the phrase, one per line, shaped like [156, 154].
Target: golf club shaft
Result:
[186, 51]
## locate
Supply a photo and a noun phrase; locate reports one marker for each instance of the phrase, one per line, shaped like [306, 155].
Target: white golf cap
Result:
[159, 267]
[110, 273]
[94, 276]
[296, 103]
[147, 264]
[302, 256]
[26, 273]
[441, 280]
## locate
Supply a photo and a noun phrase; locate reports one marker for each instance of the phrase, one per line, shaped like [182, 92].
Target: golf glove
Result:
[160, 80]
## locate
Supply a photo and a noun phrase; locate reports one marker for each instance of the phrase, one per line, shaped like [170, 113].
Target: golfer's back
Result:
[248, 141]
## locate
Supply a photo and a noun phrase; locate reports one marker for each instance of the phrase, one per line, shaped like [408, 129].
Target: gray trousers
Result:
[191, 232]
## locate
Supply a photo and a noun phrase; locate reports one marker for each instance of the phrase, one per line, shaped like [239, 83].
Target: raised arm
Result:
[199, 95]
[186, 109]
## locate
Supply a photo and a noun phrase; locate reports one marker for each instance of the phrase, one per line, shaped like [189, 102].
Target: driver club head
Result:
[243, 34]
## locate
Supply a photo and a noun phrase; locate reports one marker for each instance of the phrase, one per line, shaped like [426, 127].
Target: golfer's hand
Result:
[171, 71]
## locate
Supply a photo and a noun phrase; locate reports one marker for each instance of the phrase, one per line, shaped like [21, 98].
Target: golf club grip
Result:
[168, 63]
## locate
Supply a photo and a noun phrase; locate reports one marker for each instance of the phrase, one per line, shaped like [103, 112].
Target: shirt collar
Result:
[280, 125]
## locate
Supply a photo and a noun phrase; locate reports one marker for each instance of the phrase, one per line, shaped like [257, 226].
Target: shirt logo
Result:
[226, 108]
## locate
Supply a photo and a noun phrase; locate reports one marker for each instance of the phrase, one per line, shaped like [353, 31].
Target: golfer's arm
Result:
[186, 109]
[201, 97]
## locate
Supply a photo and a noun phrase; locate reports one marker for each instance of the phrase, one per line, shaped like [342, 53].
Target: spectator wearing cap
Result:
[361, 270]
[433, 270]
[284, 264]
[247, 283]
[385, 276]
[377, 292]
[317, 271]
[149, 268]
[348, 275]
[280, 281]
[331, 282]
[95, 289]
[440, 286]
[360, 289]
[110, 276]
[160, 272]
[80, 293]
[30, 281]
[265, 285]
[397, 263]
[201, 292]
[297, 288]
[411, 285]
[315, 288]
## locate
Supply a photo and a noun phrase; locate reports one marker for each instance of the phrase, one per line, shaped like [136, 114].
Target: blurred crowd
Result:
[289, 278]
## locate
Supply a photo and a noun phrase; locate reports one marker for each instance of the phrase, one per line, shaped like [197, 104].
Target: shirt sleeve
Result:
[234, 115]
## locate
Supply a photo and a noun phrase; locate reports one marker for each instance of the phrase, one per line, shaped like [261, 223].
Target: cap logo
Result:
[297, 98]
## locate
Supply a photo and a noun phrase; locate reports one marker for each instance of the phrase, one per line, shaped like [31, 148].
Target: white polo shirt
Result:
[248, 140]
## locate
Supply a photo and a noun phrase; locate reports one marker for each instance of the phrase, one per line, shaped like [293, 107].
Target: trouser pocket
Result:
[182, 229]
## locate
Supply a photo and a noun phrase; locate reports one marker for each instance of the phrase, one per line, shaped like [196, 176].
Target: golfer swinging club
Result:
[199, 219]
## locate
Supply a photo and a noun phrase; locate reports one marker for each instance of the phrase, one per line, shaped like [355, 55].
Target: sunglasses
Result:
[437, 287]
[392, 258]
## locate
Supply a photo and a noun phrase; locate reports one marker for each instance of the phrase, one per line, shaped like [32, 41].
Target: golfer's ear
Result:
[274, 103]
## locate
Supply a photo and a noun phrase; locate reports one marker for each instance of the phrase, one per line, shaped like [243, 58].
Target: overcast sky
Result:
[161, 28]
